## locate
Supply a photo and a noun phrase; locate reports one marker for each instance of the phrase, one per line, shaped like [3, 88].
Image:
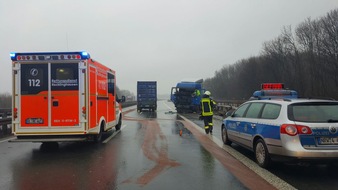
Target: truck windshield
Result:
[314, 112]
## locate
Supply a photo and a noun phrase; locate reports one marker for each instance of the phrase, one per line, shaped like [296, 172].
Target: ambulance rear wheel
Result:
[98, 137]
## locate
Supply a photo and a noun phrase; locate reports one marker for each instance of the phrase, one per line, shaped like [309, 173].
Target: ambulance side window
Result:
[111, 84]
[34, 78]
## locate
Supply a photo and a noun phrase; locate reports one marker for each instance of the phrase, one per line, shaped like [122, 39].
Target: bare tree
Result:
[306, 60]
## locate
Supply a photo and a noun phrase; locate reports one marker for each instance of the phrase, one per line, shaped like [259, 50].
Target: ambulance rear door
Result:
[49, 95]
[64, 85]
[33, 94]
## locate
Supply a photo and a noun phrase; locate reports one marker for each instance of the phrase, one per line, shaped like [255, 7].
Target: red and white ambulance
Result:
[62, 96]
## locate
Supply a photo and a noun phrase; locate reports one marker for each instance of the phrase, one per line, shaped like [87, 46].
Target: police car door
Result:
[235, 122]
[249, 128]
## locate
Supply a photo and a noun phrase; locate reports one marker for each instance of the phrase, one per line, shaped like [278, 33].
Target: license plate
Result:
[328, 140]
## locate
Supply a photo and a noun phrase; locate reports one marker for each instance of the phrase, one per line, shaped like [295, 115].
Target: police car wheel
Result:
[262, 155]
[225, 138]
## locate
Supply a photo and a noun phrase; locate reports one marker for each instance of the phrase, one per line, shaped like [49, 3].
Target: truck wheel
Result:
[262, 155]
[118, 126]
[225, 138]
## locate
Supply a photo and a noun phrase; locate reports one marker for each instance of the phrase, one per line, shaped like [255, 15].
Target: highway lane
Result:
[148, 153]
[299, 175]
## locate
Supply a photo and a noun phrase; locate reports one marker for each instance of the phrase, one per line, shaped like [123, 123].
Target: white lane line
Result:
[265, 174]
[6, 140]
[114, 134]
[167, 105]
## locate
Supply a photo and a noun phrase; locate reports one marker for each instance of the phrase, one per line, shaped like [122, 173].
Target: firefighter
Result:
[207, 105]
[196, 93]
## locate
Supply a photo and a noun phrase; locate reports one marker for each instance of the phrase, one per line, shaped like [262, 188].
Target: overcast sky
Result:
[162, 40]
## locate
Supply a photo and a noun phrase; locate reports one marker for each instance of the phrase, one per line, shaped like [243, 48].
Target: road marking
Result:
[114, 134]
[6, 140]
[167, 105]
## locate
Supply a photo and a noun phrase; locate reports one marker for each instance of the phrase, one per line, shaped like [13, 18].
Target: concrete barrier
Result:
[128, 104]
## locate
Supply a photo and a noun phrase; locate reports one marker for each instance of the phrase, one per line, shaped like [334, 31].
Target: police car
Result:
[283, 129]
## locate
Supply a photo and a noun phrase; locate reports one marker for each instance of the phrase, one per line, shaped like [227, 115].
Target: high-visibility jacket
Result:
[198, 93]
[207, 105]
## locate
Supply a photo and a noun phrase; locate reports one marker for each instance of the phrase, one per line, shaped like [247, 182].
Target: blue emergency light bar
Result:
[273, 91]
[44, 56]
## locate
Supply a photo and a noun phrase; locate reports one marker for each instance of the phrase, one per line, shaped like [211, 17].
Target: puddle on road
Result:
[180, 129]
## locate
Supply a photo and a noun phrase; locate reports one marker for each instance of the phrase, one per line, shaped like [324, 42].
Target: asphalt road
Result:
[153, 150]
[299, 175]
[150, 153]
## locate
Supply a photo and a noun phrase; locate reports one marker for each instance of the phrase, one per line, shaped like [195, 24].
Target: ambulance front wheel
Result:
[118, 126]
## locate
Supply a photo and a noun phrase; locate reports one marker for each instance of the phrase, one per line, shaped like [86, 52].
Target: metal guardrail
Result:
[129, 103]
[6, 119]
[224, 106]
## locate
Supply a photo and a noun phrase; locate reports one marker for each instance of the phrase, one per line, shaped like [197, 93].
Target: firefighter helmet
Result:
[207, 93]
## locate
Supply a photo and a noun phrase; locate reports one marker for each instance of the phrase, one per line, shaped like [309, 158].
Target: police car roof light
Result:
[272, 86]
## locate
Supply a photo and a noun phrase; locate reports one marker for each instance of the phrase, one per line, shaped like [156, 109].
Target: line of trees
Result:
[305, 60]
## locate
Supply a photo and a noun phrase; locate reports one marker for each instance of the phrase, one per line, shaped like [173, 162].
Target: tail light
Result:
[15, 113]
[292, 130]
[84, 111]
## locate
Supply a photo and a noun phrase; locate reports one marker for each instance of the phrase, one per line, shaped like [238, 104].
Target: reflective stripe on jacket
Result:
[206, 107]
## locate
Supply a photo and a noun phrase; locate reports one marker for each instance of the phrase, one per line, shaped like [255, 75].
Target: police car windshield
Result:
[314, 112]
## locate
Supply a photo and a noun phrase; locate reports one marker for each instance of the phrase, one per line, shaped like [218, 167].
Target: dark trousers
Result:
[208, 125]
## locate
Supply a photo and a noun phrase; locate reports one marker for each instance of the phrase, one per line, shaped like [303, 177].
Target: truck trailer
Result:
[62, 96]
[146, 95]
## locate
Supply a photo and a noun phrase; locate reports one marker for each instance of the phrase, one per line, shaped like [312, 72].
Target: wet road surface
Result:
[154, 150]
[299, 175]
